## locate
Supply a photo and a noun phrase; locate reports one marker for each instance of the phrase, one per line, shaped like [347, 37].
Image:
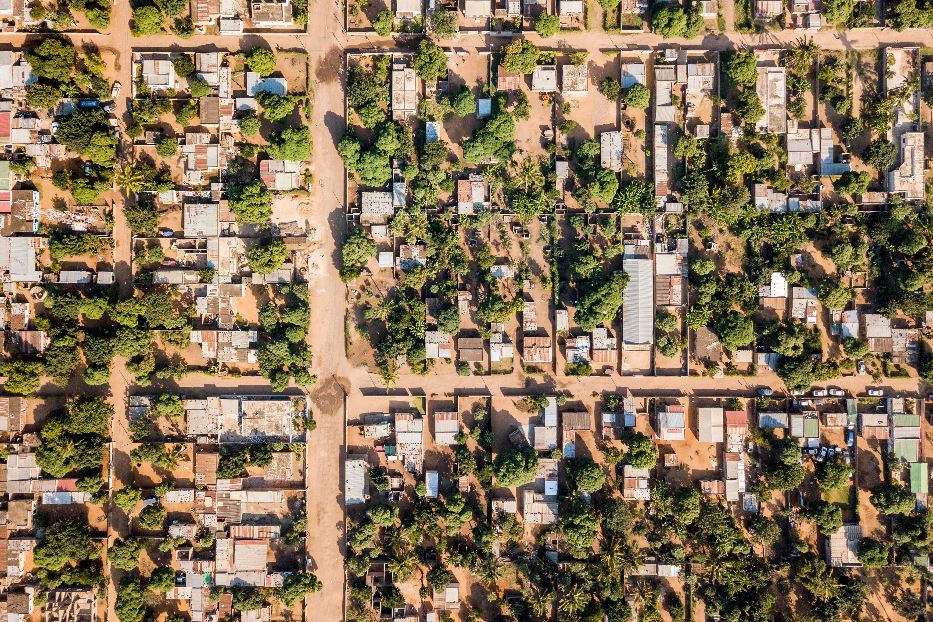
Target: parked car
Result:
[875, 393]
[819, 392]
[837, 392]
[765, 392]
[850, 438]
[861, 367]
[115, 90]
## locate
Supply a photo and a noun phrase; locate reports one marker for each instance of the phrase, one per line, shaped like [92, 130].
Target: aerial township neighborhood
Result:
[518, 311]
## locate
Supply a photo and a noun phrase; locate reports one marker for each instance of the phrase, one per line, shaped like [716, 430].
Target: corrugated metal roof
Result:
[638, 305]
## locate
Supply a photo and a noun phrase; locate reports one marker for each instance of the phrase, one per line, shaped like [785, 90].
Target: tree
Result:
[430, 62]
[147, 20]
[358, 248]
[735, 330]
[579, 524]
[444, 23]
[383, 515]
[464, 103]
[124, 554]
[831, 474]
[250, 202]
[293, 143]
[89, 415]
[872, 553]
[516, 466]
[672, 22]
[22, 377]
[547, 25]
[519, 56]
[610, 88]
[198, 88]
[171, 7]
[249, 125]
[296, 586]
[167, 147]
[585, 474]
[838, 12]
[637, 96]
[130, 605]
[601, 303]
[687, 505]
[852, 183]
[827, 516]
[53, 59]
[127, 498]
[834, 294]
[640, 452]
[39, 95]
[152, 517]
[893, 499]
[183, 65]
[275, 107]
[262, 61]
[749, 107]
[66, 543]
[880, 154]
[87, 131]
[267, 258]
[742, 68]
[384, 22]
[167, 405]
[161, 580]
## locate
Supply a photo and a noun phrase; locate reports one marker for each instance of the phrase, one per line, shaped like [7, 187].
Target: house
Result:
[570, 8]
[438, 345]
[710, 425]
[404, 92]
[376, 208]
[158, 73]
[875, 425]
[802, 143]
[672, 423]
[201, 220]
[256, 84]
[662, 149]
[735, 475]
[907, 176]
[806, 427]
[537, 350]
[772, 91]
[356, 479]
[803, 305]
[636, 483]
[904, 441]
[271, 13]
[477, 9]
[877, 330]
[610, 151]
[842, 547]
[575, 80]
[665, 77]
[472, 195]
[227, 346]
[578, 349]
[12, 415]
[561, 320]
[605, 351]
[500, 349]
[204, 12]
[633, 73]
[28, 342]
[544, 79]
[432, 484]
[470, 349]
[538, 509]
[409, 440]
[832, 163]
[409, 9]
[410, 256]
[768, 9]
[446, 428]
[71, 605]
[281, 175]
[572, 423]
[507, 80]
[447, 599]
[638, 304]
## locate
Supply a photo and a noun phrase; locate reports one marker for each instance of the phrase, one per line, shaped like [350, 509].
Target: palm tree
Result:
[540, 601]
[528, 174]
[573, 599]
[128, 178]
[489, 569]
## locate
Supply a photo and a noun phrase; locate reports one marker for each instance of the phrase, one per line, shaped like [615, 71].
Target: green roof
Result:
[906, 421]
[4, 175]
[852, 406]
[919, 478]
[811, 428]
[907, 449]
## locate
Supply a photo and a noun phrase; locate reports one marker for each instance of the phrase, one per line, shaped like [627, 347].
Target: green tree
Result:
[262, 61]
[147, 20]
[267, 258]
[430, 61]
[130, 605]
[880, 154]
[749, 107]
[296, 586]
[547, 25]
[39, 95]
[827, 516]
[384, 22]
[293, 143]
[22, 377]
[167, 147]
[66, 543]
[872, 553]
[358, 248]
[893, 499]
[674, 22]
[184, 65]
[161, 580]
[89, 415]
[515, 466]
[834, 294]
[640, 452]
[637, 96]
[124, 554]
[464, 103]
[832, 474]
[610, 88]
[249, 125]
[852, 183]
[127, 498]
[735, 330]
[53, 59]
[580, 524]
[585, 474]
[198, 88]
[519, 56]
[444, 23]
[741, 68]
[250, 202]
[276, 107]
[172, 7]
[87, 131]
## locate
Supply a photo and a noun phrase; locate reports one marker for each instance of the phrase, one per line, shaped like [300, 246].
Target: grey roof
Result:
[638, 308]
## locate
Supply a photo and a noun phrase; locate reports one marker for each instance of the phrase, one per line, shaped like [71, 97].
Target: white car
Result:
[837, 392]
[819, 392]
[115, 90]
[875, 393]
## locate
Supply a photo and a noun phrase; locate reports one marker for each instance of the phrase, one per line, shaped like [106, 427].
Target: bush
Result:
[673, 22]
[637, 96]
[610, 88]
[198, 88]
[383, 23]
[547, 25]
[267, 258]
[444, 23]
[291, 144]
[358, 248]
[184, 65]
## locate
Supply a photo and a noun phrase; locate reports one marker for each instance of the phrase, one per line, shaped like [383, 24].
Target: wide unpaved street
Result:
[326, 44]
